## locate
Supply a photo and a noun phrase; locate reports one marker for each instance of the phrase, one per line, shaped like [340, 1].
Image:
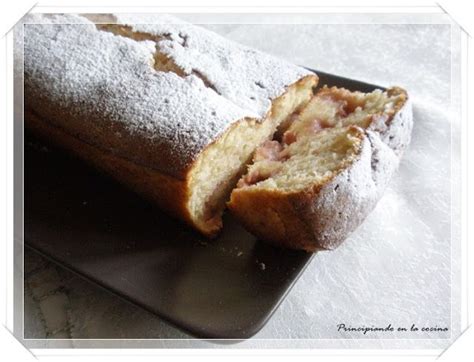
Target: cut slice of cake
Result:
[326, 168]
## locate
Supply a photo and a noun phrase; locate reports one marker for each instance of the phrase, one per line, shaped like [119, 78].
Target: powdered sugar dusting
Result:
[245, 76]
[99, 82]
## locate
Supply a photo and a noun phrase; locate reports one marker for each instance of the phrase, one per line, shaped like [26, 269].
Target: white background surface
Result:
[394, 269]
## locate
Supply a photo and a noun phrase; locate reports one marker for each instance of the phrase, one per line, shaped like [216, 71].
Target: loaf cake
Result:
[326, 168]
[172, 110]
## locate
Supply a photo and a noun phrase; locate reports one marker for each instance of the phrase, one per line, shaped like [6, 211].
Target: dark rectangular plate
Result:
[225, 288]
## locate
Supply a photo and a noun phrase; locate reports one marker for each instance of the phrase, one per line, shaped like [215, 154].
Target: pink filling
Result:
[315, 126]
[253, 177]
[269, 150]
[341, 105]
[275, 151]
[289, 137]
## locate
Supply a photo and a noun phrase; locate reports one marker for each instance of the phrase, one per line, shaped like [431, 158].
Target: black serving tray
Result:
[225, 288]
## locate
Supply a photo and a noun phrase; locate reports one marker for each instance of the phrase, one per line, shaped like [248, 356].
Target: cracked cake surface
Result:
[121, 90]
[247, 77]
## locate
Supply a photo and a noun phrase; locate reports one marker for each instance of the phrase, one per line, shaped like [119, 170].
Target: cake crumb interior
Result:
[318, 140]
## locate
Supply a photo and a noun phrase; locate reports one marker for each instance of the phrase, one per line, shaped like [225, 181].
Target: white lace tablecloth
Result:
[395, 269]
